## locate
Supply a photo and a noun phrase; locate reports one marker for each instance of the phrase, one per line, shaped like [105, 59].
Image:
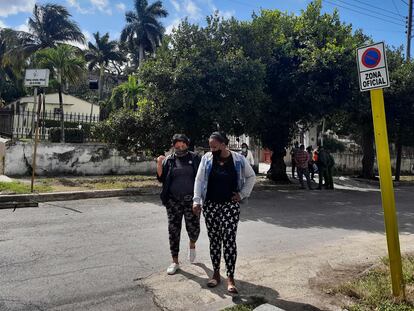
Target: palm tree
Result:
[143, 30]
[11, 65]
[66, 66]
[100, 54]
[50, 25]
[131, 90]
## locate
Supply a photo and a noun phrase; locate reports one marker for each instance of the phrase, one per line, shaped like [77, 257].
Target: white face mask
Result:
[244, 149]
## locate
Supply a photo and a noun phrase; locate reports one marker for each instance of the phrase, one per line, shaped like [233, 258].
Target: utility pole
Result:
[408, 56]
[409, 28]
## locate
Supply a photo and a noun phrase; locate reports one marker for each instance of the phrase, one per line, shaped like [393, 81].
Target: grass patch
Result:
[372, 290]
[252, 303]
[16, 187]
[74, 183]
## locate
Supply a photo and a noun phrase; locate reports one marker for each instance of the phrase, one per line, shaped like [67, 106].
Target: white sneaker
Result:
[172, 269]
[191, 255]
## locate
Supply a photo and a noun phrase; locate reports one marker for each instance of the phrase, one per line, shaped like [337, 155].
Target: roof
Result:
[53, 98]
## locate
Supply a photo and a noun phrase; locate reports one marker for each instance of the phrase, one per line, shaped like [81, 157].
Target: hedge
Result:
[72, 135]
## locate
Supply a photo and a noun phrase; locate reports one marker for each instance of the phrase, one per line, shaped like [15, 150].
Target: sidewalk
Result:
[297, 281]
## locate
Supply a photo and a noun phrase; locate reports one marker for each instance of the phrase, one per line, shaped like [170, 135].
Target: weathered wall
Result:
[72, 159]
[352, 163]
[3, 142]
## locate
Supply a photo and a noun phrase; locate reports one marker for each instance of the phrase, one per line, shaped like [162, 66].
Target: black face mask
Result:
[216, 153]
[180, 153]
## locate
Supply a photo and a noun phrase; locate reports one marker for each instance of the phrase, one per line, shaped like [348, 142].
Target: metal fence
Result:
[6, 122]
[21, 124]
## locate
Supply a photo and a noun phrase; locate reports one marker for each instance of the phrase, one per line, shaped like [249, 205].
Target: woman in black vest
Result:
[177, 173]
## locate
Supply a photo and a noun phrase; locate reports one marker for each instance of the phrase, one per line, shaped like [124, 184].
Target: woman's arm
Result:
[250, 179]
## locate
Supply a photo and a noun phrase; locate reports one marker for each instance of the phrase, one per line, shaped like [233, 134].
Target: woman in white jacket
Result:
[224, 178]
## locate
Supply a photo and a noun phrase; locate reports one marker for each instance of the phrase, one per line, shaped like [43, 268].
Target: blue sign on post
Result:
[372, 67]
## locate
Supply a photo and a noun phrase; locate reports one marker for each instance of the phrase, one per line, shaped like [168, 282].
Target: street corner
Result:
[187, 290]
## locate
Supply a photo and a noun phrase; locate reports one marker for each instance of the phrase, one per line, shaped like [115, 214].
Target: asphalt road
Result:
[89, 254]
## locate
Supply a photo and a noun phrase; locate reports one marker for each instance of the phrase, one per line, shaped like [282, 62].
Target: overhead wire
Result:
[370, 6]
[365, 14]
[396, 8]
[371, 12]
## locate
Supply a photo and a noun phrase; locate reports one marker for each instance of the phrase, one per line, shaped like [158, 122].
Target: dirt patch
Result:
[327, 281]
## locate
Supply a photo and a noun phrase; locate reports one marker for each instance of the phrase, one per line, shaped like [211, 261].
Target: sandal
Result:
[232, 289]
[212, 283]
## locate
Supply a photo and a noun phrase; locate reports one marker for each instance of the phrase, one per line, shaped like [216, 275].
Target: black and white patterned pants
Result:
[221, 222]
[175, 211]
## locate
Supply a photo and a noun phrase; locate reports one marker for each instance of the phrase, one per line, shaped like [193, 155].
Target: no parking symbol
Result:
[372, 67]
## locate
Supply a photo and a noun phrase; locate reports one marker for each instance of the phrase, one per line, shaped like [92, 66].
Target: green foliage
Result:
[333, 145]
[72, 135]
[126, 95]
[86, 127]
[16, 187]
[50, 25]
[201, 81]
[399, 99]
[303, 56]
[101, 54]
[63, 61]
[143, 32]
[11, 66]
[133, 131]
[372, 291]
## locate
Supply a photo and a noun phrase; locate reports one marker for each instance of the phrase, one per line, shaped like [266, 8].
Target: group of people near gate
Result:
[214, 185]
[309, 162]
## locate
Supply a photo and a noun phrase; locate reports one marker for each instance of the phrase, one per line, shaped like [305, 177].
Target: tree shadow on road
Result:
[343, 209]
[248, 292]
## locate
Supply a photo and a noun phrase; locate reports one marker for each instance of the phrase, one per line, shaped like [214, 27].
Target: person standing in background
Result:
[293, 152]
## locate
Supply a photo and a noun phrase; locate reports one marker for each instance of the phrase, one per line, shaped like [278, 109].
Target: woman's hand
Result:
[197, 209]
[236, 197]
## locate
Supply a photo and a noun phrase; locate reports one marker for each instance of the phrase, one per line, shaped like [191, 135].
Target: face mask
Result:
[216, 153]
[180, 152]
[244, 149]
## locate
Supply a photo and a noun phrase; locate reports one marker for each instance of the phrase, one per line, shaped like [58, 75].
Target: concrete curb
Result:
[74, 195]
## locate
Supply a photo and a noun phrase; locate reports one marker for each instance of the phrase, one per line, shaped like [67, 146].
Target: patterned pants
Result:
[175, 211]
[221, 222]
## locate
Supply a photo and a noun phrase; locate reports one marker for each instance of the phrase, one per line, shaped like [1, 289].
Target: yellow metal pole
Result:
[387, 191]
[36, 139]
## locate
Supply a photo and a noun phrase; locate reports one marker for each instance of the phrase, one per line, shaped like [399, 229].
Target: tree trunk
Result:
[141, 55]
[368, 152]
[277, 171]
[62, 116]
[399, 153]
[101, 78]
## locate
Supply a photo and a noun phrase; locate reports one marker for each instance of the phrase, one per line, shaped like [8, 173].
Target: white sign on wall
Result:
[36, 77]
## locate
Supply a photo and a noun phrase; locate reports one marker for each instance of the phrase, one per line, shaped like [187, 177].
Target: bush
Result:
[86, 127]
[72, 135]
[333, 145]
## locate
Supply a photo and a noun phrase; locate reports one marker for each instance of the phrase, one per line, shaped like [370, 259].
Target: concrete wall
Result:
[3, 142]
[72, 159]
[352, 163]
